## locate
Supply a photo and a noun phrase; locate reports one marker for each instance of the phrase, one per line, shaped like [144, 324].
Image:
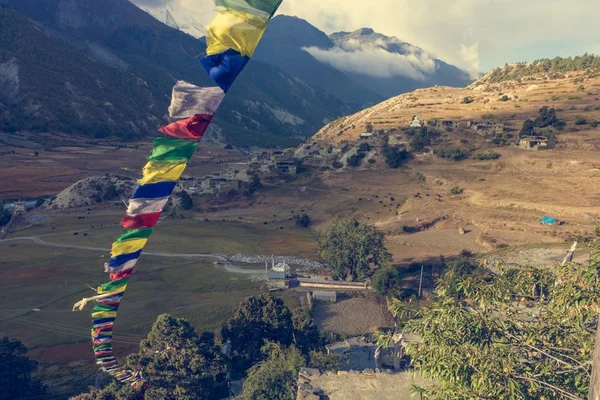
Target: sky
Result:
[476, 35]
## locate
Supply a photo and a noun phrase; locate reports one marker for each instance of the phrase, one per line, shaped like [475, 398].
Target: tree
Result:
[394, 156]
[256, 320]
[504, 98]
[353, 249]
[516, 333]
[275, 378]
[364, 147]
[547, 117]
[16, 369]
[467, 100]
[356, 159]
[110, 193]
[389, 281]
[254, 184]
[228, 147]
[528, 128]
[306, 333]
[176, 363]
[5, 217]
[303, 220]
[419, 142]
[580, 120]
[185, 200]
[369, 127]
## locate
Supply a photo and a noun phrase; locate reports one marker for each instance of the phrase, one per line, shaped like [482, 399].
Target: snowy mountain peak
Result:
[177, 19]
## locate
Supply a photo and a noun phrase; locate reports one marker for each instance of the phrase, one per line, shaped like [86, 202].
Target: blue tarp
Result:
[547, 220]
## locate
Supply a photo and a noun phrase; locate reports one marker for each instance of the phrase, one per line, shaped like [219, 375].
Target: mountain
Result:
[107, 68]
[283, 46]
[362, 67]
[177, 18]
[388, 65]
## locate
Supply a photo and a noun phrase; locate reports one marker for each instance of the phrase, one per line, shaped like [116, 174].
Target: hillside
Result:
[504, 100]
[115, 73]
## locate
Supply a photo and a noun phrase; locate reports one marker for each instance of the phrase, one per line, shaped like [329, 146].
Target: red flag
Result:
[189, 128]
[140, 221]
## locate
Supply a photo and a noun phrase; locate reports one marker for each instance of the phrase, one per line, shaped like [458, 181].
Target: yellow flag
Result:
[156, 172]
[129, 246]
[234, 30]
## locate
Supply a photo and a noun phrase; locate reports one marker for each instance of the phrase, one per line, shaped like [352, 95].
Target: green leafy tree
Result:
[256, 320]
[254, 184]
[515, 333]
[528, 128]
[419, 142]
[389, 281]
[303, 220]
[185, 200]
[547, 117]
[504, 98]
[276, 377]
[395, 156]
[306, 333]
[110, 193]
[176, 363]
[5, 217]
[353, 249]
[16, 369]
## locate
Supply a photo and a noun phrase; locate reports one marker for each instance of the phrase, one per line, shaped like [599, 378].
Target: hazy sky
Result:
[476, 35]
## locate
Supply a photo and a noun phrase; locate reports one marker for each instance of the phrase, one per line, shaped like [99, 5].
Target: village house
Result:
[486, 127]
[366, 136]
[534, 143]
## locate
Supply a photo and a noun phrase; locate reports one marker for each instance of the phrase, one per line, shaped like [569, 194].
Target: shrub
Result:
[486, 155]
[228, 147]
[337, 165]
[185, 200]
[581, 88]
[110, 193]
[580, 120]
[364, 147]
[355, 160]
[517, 106]
[594, 124]
[371, 161]
[303, 220]
[504, 98]
[467, 100]
[456, 190]
[587, 108]
[453, 153]
[254, 184]
[420, 176]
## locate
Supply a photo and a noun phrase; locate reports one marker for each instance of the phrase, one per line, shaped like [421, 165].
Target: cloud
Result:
[375, 61]
[498, 31]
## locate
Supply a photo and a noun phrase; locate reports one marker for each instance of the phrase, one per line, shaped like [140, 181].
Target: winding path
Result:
[227, 265]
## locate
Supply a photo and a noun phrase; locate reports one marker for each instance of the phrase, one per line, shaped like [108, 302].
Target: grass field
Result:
[51, 279]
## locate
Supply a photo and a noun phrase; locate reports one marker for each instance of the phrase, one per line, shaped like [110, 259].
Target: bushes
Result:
[355, 160]
[580, 120]
[504, 98]
[364, 147]
[110, 193]
[467, 100]
[456, 190]
[453, 153]
[485, 155]
[185, 200]
[303, 220]
[394, 156]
